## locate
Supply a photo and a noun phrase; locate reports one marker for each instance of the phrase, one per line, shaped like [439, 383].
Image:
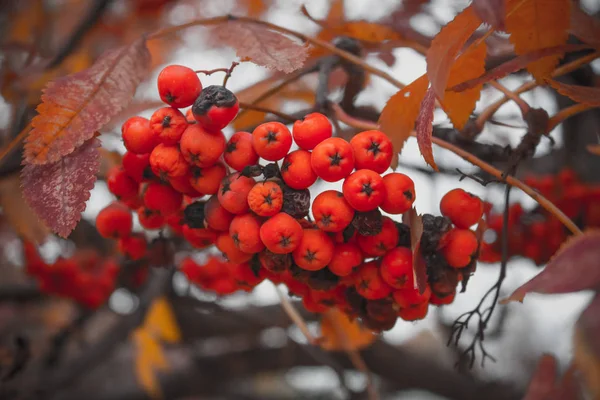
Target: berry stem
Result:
[15, 142]
[567, 113]
[314, 41]
[249, 106]
[541, 200]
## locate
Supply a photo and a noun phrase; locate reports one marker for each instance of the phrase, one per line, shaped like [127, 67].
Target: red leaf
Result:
[585, 27]
[75, 106]
[573, 268]
[542, 383]
[58, 192]
[538, 24]
[586, 355]
[446, 45]
[515, 65]
[397, 119]
[424, 127]
[459, 106]
[262, 46]
[415, 223]
[491, 12]
[580, 94]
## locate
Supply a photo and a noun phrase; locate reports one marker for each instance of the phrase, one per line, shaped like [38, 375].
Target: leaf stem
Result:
[541, 200]
[568, 112]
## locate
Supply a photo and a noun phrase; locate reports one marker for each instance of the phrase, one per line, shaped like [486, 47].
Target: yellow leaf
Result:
[18, 214]
[537, 24]
[159, 326]
[398, 117]
[338, 332]
[469, 65]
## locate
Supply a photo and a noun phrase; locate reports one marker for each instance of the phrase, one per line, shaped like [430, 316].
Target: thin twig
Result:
[279, 114]
[14, 142]
[568, 112]
[523, 106]
[296, 318]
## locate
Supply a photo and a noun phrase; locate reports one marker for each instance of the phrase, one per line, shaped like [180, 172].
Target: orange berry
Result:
[314, 251]
[233, 193]
[239, 151]
[346, 257]
[245, 232]
[138, 136]
[200, 147]
[459, 246]
[216, 216]
[281, 234]
[369, 284]
[400, 193]
[331, 211]
[463, 208]
[296, 170]
[178, 86]
[372, 150]
[332, 159]
[381, 243]
[207, 180]
[265, 199]
[364, 190]
[311, 130]
[230, 251]
[168, 124]
[168, 162]
[272, 140]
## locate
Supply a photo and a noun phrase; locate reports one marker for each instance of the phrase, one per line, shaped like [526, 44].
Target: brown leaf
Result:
[415, 223]
[585, 27]
[424, 127]
[19, 215]
[75, 106]
[542, 383]
[459, 106]
[586, 340]
[515, 65]
[572, 269]
[339, 332]
[446, 45]
[262, 46]
[397, 119]
[580, 94]
[538, 24]
[491, 12]
[108, 160]
[594, 149]
[58, 192]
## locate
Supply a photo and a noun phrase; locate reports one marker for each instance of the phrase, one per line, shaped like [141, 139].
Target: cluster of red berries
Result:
[85, 277]
[537, 234]
[180, 171]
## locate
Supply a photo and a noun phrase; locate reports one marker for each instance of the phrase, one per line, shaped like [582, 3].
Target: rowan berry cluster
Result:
[537, 234]
[85, 277]
[181, 171]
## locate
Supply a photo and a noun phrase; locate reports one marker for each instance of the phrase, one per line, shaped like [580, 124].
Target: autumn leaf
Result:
[514, 65]
[397, 119]
[262, 46]
[594, 149]
[424, 127]
[19, 215]
[580, 94]
[339, 332]
[470, 64]
[572, 269]
[75, 106]
[491, 12]
[538, 24]
[585, 27]
[57, 192]
[446, 45]
[159, 326]
[542, 383]
[415, 223]
[586, 344]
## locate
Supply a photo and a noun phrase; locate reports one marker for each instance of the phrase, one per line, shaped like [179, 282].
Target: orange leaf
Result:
[491, 12]
[580, 94]
[586, 344]
[338, 332]
[397, 119]
[537, 24]
[424, 127]
[262, 46]
[446, 45]
[585, 27]
[415, 223]
[77, 105]
[470, 64]
[594, 149]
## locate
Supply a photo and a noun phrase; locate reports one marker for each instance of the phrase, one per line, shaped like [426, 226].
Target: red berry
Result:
[183, 185]
[239, 152]
[381, 243]
[114, 221]
[346, 257]
[168, 124]
[162, 198]
[364, 190]
[400, 193]
[463, 208]
[178, 86]
[369, 283]
[411, 297]
[296, 170]
[265, 198]
[138, 136]
[201, 148]
[459, 246]
[134, 247]
[207, 180]
[121, 184]
[200, 237]
[150, 219]
[137, 166]
[442, 300]
[281, 234]
[311, 130]
[271, 140]
[216, 216]
[230, 251]
[245, 232]
[414, 312]
[233, 193]
[331, 211]
[314, 251]
[168, 162]
[372, 150]
[332, 159]
[397, 268]
[215, 108]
